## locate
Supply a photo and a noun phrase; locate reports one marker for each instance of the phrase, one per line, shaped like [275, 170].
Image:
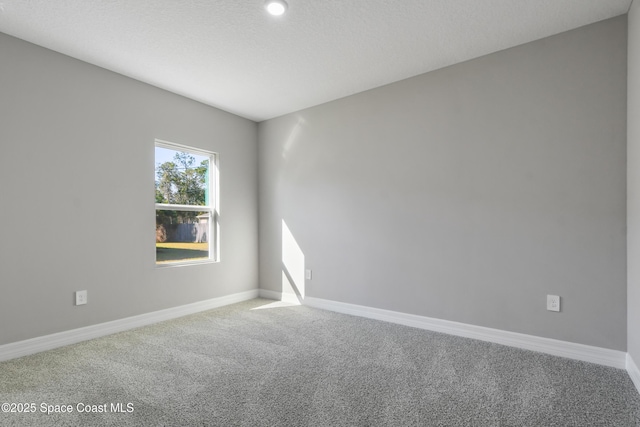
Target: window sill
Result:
[185, 264]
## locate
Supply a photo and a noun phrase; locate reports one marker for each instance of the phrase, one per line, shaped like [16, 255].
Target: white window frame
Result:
[213, 234]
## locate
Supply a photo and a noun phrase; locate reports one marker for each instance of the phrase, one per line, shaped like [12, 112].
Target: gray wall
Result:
[465, 194]
[633, 186]
[77, 192]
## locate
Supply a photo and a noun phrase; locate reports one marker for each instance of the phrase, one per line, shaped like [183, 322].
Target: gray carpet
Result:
[243, 365]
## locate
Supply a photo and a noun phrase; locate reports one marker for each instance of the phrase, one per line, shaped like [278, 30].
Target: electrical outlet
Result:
[81, 297]
[553, 303]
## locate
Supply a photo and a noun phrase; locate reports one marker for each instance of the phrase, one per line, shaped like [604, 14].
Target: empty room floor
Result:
[266, 363]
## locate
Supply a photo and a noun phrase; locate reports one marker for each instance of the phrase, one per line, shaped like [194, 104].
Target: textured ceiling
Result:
[232, 55]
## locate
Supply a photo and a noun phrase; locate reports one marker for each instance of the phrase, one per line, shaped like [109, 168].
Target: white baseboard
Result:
[601, 356]
[634, 372]
[60, 339]
[279, 296]
[265, 293]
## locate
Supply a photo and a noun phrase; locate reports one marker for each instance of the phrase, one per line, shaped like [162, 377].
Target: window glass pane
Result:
[182, 178]
[182, 235]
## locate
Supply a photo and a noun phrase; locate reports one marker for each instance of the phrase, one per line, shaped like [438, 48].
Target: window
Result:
[186, 205]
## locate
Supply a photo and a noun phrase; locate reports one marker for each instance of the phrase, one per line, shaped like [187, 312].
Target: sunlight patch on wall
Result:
[292, 264]
[293, 137]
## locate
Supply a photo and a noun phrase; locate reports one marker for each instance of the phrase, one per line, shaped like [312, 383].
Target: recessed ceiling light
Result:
[276, 7]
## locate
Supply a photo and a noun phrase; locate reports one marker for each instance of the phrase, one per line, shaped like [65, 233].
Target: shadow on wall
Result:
[292, 265]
